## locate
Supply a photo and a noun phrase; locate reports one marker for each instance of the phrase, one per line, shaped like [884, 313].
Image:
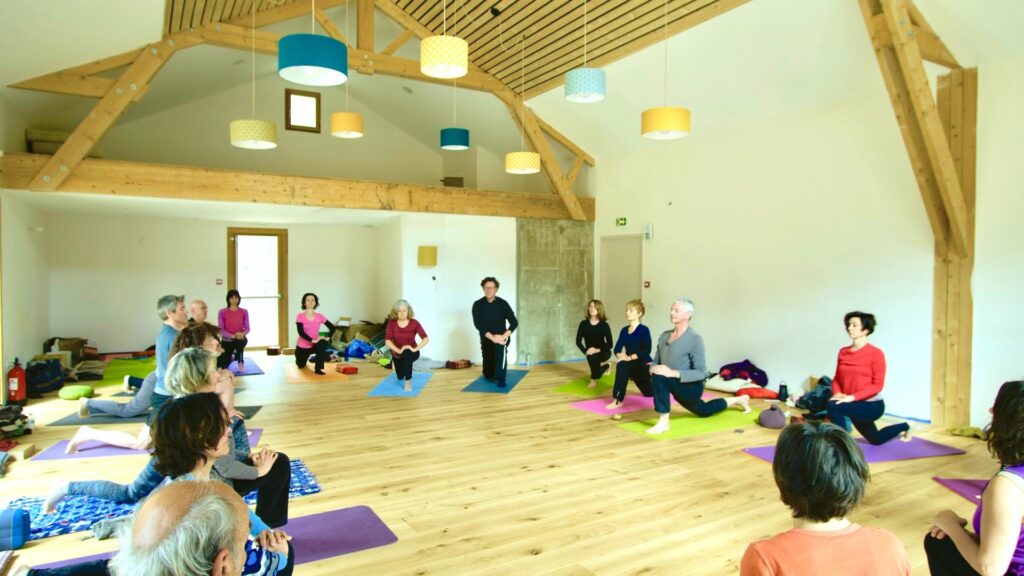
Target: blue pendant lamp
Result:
[584, 85]
[454, 138]
[312, 60]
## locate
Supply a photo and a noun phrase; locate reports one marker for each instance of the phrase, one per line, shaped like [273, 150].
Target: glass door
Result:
[257, 268]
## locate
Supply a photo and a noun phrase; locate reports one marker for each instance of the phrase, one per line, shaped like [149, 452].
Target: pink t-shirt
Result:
[310, 327]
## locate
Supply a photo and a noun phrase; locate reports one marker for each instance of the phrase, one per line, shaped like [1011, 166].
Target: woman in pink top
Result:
[234, 326]
[821, 475]
[310, 342]
[400, 337]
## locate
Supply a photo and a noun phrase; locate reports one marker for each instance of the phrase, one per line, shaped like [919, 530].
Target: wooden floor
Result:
[517, 484]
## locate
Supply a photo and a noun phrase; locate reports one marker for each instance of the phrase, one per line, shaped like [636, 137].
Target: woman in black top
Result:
[594, 339]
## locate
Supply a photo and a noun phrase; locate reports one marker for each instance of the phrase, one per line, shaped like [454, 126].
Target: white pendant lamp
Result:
[347, 125]
[311, 59]
[444, 56]
[584, 85]
[250, 133]
[665, 122]
[523, 162]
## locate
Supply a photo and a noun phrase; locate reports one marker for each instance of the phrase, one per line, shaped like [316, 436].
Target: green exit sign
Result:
[620, 221]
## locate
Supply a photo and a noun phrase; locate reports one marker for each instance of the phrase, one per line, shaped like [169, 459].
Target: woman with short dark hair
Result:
[234, 327]
[821, 475]
[997, 544]
[310, 343]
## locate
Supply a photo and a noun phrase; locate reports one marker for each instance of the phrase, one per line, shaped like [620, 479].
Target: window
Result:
[301, 110]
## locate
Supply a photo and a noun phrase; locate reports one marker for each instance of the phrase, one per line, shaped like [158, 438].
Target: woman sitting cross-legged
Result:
[821, 475]
[400, 336]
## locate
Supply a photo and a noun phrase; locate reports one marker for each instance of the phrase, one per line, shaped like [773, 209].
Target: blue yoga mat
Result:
[392, 386]
[481, 384]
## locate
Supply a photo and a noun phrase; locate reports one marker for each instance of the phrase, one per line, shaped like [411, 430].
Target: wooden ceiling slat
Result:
[168, 4]
[208, 8]
[488, 49]
[186, 14]
[175, 21]
[418, 8]
[474, 16]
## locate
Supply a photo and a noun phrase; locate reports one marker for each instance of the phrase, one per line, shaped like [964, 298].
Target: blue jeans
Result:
[139, 404]
[863, 414]
[144, 483]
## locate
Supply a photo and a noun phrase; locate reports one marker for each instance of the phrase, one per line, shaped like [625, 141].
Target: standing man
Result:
[490, 314]
[197, 312]
[679, 369]
[171, 310]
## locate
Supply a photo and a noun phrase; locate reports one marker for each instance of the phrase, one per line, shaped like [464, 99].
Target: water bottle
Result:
[783, 392]
[529, 360]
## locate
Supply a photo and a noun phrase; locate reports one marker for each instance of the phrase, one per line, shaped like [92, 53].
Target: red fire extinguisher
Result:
[16, 393]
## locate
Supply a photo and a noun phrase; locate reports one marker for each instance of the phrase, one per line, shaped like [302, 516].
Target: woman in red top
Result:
[857, 387]
[400, 337]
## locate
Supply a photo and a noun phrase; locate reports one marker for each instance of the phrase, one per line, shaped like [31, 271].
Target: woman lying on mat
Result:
[857, 387]
[310, 342]
[679, 369]
[633, 351]
[997, 544]
[594, 339]
[400, 337]
[234, 326]
[821, 475]
[196, 335]
[138, 405]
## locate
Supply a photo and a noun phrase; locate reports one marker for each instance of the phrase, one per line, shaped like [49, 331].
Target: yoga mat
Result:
[314, 537]
[92, 449]
[481, 384]
[578, 387]
[391, 386]
[683, 425]
[303, 483]
[888, 452]
[118, 368]
[76, 420]
[251, 368]
[293, 375]
[238, 390]
[968, 489]
[632, 403]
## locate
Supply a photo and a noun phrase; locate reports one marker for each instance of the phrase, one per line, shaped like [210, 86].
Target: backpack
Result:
[43, 376]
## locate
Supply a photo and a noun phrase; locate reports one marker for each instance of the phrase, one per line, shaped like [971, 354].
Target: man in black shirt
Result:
[490, 314]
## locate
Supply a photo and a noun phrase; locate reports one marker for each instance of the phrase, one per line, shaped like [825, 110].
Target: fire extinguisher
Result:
[16, 393]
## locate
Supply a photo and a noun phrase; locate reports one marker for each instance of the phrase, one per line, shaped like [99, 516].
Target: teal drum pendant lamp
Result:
[584, 85]
[311, 59]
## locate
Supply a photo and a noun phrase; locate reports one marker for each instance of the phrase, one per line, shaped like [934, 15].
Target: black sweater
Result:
[593, 336]
[491, 316]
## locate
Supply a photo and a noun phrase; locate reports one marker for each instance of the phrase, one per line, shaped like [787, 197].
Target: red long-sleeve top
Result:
[859, 373]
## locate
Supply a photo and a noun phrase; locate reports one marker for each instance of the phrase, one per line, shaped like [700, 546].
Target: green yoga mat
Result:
[683, 425]
[118, 368]
[579, 388]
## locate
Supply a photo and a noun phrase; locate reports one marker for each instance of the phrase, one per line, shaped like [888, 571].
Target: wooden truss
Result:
[940, 141]
[144, 64]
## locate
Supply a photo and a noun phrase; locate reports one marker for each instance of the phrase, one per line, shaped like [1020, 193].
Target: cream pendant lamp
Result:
[584, 85]
[251, 133]
[665, 122]
[311, 59]
[523, 162]
[347, 125]
[444, 56]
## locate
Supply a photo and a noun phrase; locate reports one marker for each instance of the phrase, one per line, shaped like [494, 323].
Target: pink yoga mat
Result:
[92, 449]
[632, 403]
[888, 452]
[969, 489]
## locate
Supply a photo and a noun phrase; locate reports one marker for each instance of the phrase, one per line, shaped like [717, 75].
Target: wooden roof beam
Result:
[932, 47]
[72, 84]
[329, 27]
[398, 42]
[364, 26]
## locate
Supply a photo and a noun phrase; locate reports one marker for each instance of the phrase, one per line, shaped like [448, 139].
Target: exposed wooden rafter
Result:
[932, 47]
[364, 26]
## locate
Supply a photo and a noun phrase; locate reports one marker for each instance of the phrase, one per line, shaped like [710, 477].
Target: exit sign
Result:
[620, 221]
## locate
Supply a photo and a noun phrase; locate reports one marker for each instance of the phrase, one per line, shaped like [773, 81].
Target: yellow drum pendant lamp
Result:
[522, 162]
[250, 133]
[665, 123]
[347, 125]
[444, 56]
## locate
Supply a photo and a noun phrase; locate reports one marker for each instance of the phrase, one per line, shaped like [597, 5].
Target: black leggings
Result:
[403, 364]
[636, 370]
[688, 394]
[596, 362]
[233, 350]
[271, 491]
[320, 349]
[944, 559]
[863, 414]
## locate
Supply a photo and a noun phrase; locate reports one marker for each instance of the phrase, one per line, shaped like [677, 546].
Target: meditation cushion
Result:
[14, 528]
[75, 391]
[773, 417]
[757, 392]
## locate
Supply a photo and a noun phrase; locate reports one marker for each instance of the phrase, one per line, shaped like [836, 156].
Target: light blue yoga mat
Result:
[481, 384]
[392, 386]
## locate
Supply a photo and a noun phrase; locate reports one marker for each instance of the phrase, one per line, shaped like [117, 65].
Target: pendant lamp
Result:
[665, 122]
[251, 133]
[347, 125]
[312, 60]
[444, 56]
[584, 85]
[522, 162]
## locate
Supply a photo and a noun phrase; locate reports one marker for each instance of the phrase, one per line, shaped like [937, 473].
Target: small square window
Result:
[301, 110]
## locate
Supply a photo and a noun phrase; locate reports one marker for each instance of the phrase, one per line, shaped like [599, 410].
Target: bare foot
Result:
[241, 366]
[744, 403]
[659, 428]
[906, 436]
[593, 384]
[57, 493]
[408, 385]
[613, 405]
[80, 436]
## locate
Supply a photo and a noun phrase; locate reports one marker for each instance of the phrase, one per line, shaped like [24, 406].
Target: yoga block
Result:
[14, 528]
[23, 452]
[273, 350]
[346, 369]
[288, 351]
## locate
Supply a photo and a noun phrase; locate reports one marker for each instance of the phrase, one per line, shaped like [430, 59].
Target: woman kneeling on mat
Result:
[400, 337]
[594, 339]
[857, 387]
[633, 351]
[234, 326]
[821, 475]
[997, 544]
[679, 369]
[310, 342]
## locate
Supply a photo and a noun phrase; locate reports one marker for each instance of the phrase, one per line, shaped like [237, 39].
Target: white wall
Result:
[999, 238]
[389, 265]
[468, 249]
[776, 230]
[25, 296]
[106, 272]
[12, 127]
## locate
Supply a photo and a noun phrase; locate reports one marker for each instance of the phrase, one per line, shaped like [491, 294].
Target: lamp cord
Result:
[665, 32]
[348, 8]
[584, 33]
[253, 58]
[522, 92]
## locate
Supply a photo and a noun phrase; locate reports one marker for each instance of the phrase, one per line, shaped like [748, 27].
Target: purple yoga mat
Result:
[251, 368]
[888, 452]
[632, 403]
[314, 537]
[93, 449]
[969, 489]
